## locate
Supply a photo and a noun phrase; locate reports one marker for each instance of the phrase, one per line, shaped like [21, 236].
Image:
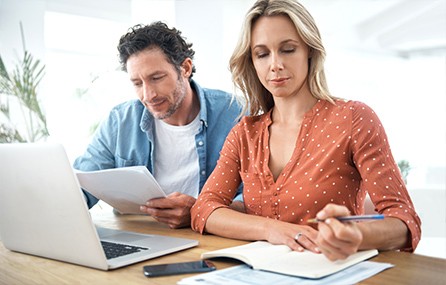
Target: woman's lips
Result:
[278, 81]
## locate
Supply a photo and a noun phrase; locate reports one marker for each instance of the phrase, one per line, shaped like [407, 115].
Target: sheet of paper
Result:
[244, 275]
[124, 188]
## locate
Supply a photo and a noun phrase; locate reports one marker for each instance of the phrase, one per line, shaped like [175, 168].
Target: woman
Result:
[303, 153]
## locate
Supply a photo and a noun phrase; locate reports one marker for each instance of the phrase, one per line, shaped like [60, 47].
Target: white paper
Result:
[244, 275]
[125, 188]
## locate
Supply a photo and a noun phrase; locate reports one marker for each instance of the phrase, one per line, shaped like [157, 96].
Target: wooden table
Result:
[17, 268]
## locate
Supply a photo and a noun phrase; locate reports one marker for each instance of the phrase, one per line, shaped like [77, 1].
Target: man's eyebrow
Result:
[157, 72]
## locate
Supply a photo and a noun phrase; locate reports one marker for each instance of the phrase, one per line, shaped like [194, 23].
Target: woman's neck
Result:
[292, 109]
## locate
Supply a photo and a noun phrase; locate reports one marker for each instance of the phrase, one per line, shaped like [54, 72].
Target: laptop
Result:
[43, 212]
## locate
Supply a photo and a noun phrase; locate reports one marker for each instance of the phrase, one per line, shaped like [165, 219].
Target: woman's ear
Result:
[310, 52]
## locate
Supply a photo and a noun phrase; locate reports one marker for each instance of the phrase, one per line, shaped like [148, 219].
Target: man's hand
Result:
[174, 210]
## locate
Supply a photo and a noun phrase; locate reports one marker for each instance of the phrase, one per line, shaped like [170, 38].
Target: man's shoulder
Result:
[210, 93]
[217, 99]
[216, 94]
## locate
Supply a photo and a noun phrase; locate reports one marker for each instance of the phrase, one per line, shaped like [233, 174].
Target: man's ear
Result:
[186, 67]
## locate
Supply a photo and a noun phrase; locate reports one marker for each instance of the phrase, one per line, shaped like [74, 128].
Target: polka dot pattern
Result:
[341, 153]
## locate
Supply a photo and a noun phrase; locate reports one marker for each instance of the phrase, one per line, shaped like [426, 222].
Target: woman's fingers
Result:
[305, 242]
[338, 240]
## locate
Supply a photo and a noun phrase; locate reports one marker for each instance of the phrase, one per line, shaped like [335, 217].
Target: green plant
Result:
[18, 95]
[404, 167]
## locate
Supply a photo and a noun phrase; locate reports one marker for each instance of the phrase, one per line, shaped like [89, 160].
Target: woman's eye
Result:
[288, 50]
[261, 54]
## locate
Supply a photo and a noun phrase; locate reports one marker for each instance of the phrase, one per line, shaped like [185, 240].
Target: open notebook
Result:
[43, 212]
[262, 255]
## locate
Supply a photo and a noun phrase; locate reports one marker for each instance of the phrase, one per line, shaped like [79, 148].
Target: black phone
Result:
[178, 268]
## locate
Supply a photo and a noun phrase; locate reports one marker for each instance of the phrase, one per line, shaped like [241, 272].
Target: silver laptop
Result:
[43, 212]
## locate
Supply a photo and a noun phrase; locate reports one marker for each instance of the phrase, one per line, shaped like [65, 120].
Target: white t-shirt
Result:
[176, 160]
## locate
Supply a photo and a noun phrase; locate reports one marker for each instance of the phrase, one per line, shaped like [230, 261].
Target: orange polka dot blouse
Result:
[341, 153]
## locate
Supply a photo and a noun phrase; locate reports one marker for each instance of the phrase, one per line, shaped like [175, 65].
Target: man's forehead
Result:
[150, 60]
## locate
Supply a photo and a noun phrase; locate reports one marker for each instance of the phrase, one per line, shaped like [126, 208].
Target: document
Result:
[261, 255]
[244, 275]
[125, 188]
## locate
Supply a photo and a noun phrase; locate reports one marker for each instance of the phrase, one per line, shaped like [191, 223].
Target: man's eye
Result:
[156, 78]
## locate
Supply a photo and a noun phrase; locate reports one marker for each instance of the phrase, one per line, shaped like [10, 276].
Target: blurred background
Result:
[390, 54]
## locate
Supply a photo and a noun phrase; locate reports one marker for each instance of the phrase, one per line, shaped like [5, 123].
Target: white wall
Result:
[30, 13]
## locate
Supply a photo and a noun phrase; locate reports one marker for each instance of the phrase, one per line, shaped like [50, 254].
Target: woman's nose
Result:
[276, 63]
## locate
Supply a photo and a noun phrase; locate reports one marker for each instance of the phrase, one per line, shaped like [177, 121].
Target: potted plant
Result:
[404, 167]
[21, 116]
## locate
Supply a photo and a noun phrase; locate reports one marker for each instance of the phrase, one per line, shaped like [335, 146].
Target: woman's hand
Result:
[296, 237]
[335, 239]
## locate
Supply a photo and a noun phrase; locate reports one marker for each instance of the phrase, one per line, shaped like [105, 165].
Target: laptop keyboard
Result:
[113, 250]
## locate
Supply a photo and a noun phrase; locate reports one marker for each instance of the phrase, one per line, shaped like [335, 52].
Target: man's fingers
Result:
[164, 203]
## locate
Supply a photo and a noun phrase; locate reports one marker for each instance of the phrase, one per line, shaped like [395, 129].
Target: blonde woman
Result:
[302, 153]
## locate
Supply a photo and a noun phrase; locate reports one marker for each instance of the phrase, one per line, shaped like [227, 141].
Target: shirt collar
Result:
[203, 107]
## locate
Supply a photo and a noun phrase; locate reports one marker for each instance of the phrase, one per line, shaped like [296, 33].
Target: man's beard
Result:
[178, 94]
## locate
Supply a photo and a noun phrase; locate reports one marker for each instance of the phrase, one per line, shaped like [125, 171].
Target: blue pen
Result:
[351, 218]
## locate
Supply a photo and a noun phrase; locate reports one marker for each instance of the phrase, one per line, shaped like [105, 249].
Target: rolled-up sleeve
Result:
[221, 186]
[382, 178]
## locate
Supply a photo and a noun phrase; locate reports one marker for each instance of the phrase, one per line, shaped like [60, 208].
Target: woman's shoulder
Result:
[346, 103]
[358, 112]
[352, 106]
[252, 124]
[254, 121]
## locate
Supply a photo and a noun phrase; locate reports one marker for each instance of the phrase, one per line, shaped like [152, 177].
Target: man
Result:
[176, 128]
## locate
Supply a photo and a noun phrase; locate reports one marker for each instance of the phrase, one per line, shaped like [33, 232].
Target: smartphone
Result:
[178, 268]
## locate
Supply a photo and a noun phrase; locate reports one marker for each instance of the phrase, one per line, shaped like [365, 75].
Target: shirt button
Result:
[200, 143]
[203, 172]
[275, 194]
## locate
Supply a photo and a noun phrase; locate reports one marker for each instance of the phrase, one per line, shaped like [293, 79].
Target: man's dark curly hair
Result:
[155, 35]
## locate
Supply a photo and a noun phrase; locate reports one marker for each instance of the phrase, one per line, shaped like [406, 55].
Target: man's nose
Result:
[148, 93]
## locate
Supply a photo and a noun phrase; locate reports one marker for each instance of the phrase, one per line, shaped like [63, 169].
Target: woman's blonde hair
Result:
[244, 75]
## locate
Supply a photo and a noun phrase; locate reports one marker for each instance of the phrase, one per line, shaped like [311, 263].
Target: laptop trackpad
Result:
[121, 236]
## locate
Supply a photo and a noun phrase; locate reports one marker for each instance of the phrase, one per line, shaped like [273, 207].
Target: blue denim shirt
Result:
[126, 137]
